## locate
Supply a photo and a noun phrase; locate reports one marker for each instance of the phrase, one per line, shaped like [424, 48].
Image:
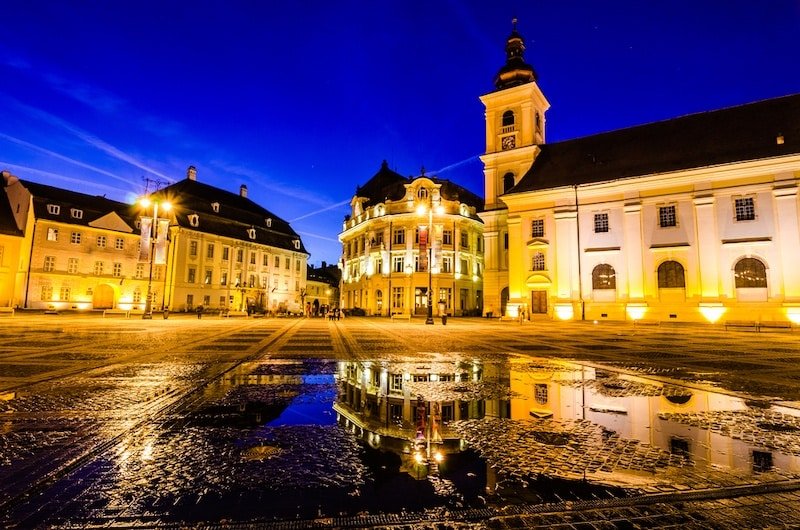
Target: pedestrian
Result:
[199, 312]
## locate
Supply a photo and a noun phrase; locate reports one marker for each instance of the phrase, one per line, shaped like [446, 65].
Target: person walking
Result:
[199, 312]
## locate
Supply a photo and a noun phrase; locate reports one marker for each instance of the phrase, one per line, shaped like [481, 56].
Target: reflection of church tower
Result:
[515, 125]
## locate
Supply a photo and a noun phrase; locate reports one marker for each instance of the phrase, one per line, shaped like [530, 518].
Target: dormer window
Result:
[194, 220]
[296, 244]
[215, 207]
[53, 209]
[251, 232]
[268, 220]
[75, 213]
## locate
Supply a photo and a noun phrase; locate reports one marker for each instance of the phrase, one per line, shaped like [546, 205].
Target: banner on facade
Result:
[160, 256]
[423, 248]
[437, 247]
[144, 241]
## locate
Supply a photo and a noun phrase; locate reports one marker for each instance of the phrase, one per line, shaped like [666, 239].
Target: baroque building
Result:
[689, 219]
[390, 262]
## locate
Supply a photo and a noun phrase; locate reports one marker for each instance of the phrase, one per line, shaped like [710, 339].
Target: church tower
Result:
[515, 126]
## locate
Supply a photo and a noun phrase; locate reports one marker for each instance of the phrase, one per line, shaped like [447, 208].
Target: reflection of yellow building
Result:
[689, 219]
[386, 246]
[83, 251]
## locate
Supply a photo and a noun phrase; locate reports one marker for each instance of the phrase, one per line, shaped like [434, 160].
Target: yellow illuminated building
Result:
[689, 219]
[386, 247]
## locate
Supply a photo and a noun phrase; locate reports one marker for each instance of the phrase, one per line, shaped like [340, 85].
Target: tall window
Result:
[397, 298]
[52, 234]
[72, 266]
[64, 293]
[98, 268]
[210, 251]
[745, 209]
[190, 275]
[101, 241]
[193, 248]
[397, 263]
[117, 270]
[447, 237]
[75, 238]
[49, 263]
[288, 263]
[508, 181]
[239, 255]
[537, 228]
[399, 237]
[666, 216]
[670, 275]
[447, 264]
[207, 278]
[464, 240]
[47, 292]
[750, 272]
[604, 277]
[139, 274]
[252, 258]
[508, 118]
[537, 262]
[225, 253]
[600, 223]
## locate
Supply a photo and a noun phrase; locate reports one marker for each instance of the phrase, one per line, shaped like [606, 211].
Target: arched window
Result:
[750, 272]
[508, 181]
[508, 118]
[538, 121]
[670, 275]
[422, 193]
[604, 277]
[537, 263]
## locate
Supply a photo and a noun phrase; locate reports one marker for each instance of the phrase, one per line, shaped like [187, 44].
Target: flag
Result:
[144, 242]
[160, 257]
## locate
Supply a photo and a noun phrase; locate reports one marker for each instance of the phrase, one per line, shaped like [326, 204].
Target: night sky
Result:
[302, 101]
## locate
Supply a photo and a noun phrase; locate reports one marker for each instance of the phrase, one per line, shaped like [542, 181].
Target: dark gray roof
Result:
[735, 134]
[92, 206]
[8, 226]
[236, 215]
[388, 185]
[329, 274]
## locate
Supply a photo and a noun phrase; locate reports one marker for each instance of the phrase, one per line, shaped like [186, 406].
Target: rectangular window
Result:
[297, 285]
[52, 234]
[119, 243]
[399, 237]
[379, 238]
[447, 237]
[190, 275]
[157, 273]
[49, 263]
[207, 278]
[193, 248]
[666, 216]
[397, 298]
[223, 278]
[265, 260]
[117, 270]
[252, 258]
[745, 209]
[479, 244]
[101, 241]
[239, 255]
[600, 223]
[139, 271]
[464, 267]
[396, 383]
[277, 261]
[297, 266]
[64, 294]
[537, 228]
[446, 295]
[206, 300]
[447, 264]
[505, 241]
[378, 266]
[464, 240]
[538, 262]
[397, 263]
[226, 251]
[77, 214]
[72, 266]
[98, 268]
[288, 263]
[53, 209]
[47, 292]
[210, 251]
[189, 301]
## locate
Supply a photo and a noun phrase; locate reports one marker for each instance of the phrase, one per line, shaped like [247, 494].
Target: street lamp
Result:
[421, 209]
[145, 202]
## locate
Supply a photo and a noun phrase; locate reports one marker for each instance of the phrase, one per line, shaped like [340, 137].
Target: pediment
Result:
[111, 221]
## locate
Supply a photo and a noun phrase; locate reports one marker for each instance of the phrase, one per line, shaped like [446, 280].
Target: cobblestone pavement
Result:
[85, 403]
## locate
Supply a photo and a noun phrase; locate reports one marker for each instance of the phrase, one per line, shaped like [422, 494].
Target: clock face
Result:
[508, 142]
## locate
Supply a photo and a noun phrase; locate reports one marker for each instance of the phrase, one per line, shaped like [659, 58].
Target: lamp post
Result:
[421, 210]
[165, 206]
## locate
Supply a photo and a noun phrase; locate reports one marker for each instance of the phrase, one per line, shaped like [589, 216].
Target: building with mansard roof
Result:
[688, 219]
[389, 262]
[229, 253]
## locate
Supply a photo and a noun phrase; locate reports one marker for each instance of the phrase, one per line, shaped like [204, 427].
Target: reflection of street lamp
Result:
[165, 206]
[421, 210]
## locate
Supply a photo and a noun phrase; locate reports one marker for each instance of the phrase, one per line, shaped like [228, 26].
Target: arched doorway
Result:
[103, 297]
[503, 301]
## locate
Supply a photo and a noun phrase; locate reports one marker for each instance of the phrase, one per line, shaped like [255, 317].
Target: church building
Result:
[689, 219]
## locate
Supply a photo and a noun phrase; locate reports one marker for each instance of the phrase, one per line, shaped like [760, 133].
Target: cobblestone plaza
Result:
[243, 422]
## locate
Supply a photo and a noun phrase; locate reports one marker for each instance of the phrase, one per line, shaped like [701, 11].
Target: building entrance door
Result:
[103, 297]
[420, 301]
[539, 302]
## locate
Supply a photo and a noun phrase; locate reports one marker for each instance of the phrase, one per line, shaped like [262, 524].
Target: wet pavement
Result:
[297, 423]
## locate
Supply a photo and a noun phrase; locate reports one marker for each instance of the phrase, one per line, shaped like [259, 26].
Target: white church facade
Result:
[689, 219]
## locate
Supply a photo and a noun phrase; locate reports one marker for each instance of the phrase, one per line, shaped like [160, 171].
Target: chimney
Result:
[191, 173]
[243, 190]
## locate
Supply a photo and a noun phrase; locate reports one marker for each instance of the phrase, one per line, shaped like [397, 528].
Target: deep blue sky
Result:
[302, 100]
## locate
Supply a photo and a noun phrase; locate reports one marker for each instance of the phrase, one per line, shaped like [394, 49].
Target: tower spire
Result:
[516, 71]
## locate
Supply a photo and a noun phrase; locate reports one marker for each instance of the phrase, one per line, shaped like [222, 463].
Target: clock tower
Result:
[515, 126]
